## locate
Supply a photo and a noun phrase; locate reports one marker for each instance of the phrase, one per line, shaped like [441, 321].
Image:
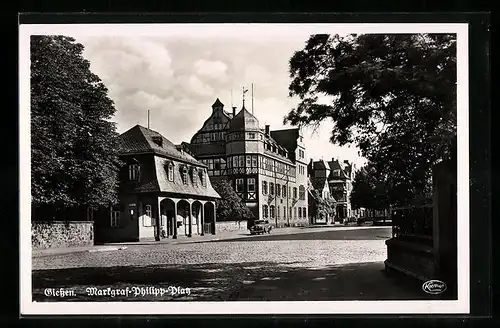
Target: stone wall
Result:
[62, 234]
[413, 259]
[224, 226]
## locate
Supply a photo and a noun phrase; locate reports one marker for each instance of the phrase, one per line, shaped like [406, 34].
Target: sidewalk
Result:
[70, 250]
[223, 235]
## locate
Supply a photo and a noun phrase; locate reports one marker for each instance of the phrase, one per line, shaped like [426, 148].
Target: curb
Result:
[107, 249]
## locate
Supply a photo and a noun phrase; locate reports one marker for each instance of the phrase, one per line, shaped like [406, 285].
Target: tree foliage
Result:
[74, 145]
[394, 96]
[368, 191]
[230, 207]
[325, 206]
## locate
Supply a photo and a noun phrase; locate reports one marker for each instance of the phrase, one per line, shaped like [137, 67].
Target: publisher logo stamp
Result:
[434, 287]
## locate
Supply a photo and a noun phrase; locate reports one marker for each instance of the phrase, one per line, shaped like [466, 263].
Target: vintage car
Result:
[260, 226]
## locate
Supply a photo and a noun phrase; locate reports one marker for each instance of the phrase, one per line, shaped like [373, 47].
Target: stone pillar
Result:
[215, 211]
[202, 219]
[445, 222]
[158, 221]
[190, 220]
[175, 221]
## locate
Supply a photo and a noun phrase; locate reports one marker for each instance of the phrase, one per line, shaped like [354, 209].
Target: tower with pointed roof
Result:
[267, 169]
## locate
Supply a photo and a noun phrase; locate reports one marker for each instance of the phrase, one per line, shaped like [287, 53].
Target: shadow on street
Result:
[256, 281]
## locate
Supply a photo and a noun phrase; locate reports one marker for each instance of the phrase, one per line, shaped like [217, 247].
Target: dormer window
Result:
[193, 177]
[184, 174]
[158, 140]
[201, 174]
[170, 171]
[134, 172]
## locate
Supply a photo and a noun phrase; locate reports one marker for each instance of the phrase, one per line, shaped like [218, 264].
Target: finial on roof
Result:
[244, 91]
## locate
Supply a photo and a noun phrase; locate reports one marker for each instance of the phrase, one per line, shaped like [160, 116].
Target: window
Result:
[211, 164]
[217, 164]
[294, 212]
[284, 212]
[170, 172]
[336, 173]
[264, 211]
[251, 184]
[148, 210]
[193, 177]
[300, 212]
[278, 190]
[294, 192]
[239, 185]
[289, 192]
[301, 169]
[254, 160]
[278, 212]
[251, 135]
[284, 191]
[133, 171]
[304, 213]
[242, 161]
[249, 161]
[271, 188]
[290, 216]
[201, 173]
[271, 211]
[235, 161]
[264, 187]
[302, 193]
[184, 175]
[114, 215]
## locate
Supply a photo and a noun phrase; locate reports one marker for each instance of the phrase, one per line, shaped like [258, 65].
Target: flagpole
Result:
[252, 98]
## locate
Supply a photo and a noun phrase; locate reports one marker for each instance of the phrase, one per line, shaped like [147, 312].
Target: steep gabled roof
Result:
[320, 165]
[336, 165]
[244, 120]
[287, 138]
[217, 103]
[139, 140]
[193, 187]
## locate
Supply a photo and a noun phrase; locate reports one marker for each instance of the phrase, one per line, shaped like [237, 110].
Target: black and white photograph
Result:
[244, 168]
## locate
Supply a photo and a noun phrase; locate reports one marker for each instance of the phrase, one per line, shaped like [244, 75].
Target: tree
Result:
[394, 96]
[74, 160]
[368, 191]
[325, 207]
[230, 207]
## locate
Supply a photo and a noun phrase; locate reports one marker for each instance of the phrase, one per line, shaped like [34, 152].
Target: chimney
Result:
[267, 129]
[346, 161]
[234, 111]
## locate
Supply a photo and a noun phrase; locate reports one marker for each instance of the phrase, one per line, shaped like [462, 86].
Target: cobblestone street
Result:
[319, 264]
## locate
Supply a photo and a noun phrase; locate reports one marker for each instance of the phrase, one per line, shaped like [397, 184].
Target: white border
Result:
[245, 31]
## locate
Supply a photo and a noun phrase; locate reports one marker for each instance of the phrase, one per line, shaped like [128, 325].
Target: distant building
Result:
[267, 169]
[158, 181]
[318, 190]
[339, 176]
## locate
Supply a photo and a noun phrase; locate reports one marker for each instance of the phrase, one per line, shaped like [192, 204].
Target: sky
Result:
[178, 78]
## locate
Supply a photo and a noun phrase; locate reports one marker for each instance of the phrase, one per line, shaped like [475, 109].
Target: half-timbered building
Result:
[267, 169]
